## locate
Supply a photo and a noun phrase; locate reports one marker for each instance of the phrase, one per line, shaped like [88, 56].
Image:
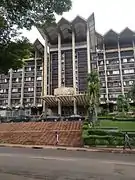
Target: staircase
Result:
[42, 133]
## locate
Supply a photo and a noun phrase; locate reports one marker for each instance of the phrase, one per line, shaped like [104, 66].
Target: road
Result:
[32, 164]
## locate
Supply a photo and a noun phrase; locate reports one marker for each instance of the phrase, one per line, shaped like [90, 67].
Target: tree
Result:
[131, 93]
[15, 15]
[122, 104]
[93, 95]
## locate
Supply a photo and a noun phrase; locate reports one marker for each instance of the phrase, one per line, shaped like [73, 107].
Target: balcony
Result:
[115, 78]
[114, 90]
[16, 95]
[17, 75]
[28, 84]
[3, 96]
[28, 94]
[103, 90]
[128, 66]
[113, 66]
[29, 74]
[16, 85]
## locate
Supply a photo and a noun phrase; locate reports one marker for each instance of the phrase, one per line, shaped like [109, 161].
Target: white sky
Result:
[109, 14]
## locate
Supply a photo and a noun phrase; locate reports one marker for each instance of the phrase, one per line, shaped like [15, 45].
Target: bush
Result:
[85, 127]
[95, 137]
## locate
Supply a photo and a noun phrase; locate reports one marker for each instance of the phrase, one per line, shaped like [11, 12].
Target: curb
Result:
[105, 150]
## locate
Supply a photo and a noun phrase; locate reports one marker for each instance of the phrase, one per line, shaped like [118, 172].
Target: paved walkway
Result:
[93, 149]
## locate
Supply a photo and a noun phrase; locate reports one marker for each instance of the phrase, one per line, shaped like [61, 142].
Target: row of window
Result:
[19, 80]
[125, 60]
[118, 84]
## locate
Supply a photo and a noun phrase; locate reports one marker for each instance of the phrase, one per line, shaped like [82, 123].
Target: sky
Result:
[109, 14]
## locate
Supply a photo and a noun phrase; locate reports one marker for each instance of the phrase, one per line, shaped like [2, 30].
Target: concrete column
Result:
[35, 78]
[10, 87]
[133, 48]
[45, 72]
[105, 69]
[59, 70]
[88, 49]
[120, 67]
[22, 86]
[59, 60]
[74, 74]
[59, 107]
[75, 107]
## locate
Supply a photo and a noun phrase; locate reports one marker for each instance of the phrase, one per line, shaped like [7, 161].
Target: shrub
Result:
[95, 137]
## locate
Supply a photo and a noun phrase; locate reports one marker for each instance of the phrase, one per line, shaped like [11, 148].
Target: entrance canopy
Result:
[66, 100]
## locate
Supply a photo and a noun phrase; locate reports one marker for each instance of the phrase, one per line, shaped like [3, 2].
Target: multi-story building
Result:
[75, 48]
[115, 61]
[22, 88]
[71, 50]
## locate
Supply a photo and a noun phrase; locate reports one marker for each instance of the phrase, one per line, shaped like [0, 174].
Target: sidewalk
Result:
[95, 149]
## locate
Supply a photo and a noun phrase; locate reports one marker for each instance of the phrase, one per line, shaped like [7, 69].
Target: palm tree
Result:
[93, 95]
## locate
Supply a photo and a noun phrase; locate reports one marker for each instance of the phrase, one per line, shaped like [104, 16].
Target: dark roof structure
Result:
[38, 46]
[79, 25]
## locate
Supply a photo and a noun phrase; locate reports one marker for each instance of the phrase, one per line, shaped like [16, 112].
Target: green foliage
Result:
[12, 54]
[121, 125]
[106, 138]
[15, 15]
[122, 104]
[131, 93]
[93, 94]
[29, 13]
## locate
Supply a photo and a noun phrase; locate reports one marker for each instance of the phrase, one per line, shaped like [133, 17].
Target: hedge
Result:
[113, 118]
[95, 137]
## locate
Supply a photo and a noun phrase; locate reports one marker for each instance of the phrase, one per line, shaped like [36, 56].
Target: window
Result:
[5, 80]
[124, 83]
[115, 72]
[30, 89]
[41, 68]
[103, 84]
[28, 68]
[101, 63]
[76, 56]
[102, 96]
[131, 60]
[129, 71]
[28, 79]
[131, 83]
[17, 80]
[2, 90]
[28, 100]
[107, 62]
[108, 73]
[19, 70]
[124, 60]
[39, 78]
[14, 90]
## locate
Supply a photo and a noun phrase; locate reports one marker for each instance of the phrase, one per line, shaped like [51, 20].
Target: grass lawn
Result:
[121, 125]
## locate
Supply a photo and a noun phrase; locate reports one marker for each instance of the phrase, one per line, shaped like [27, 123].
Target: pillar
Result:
[88, 49]
[133, 48]
[75, 107]
[35, 78]
[105, 69]
[74, 74]
[45, 72]
[120, 67]
[10, 87]
[59, 60]
[59, 70]
[22, 87]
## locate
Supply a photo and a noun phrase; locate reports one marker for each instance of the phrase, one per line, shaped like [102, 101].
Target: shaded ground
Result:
[29, 164]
